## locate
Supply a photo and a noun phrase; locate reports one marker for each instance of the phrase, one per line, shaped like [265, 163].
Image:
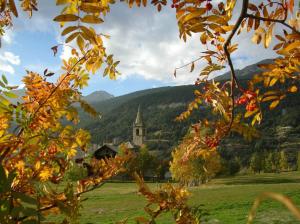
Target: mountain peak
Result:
[245, 73]
[98, 96]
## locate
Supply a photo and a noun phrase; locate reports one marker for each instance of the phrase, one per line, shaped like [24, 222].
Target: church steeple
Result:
[139, 130]
[138, 119]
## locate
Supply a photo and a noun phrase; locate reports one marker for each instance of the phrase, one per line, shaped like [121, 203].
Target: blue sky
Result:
[146, 43]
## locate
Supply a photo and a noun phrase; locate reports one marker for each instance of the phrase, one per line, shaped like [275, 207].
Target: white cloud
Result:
[66, 52]
[10, 58]
[147, 43]
[7, 59]
[21, 86]
[7, 38]
[6, 68]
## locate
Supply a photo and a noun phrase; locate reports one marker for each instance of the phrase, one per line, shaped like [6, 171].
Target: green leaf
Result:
[4, 79]
[10, 94]
[3, 178]
[25, 198]
[4, 101]
[2, 84]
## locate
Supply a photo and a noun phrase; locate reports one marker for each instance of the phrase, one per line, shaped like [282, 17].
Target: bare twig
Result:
[187, 64]
[275, 196]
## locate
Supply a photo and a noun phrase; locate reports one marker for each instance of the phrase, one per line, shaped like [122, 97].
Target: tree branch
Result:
[234, 81]
[43, 103]
[281, 21]
[55, 205]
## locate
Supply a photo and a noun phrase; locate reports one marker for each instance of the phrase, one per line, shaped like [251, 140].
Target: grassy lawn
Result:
[227, 200]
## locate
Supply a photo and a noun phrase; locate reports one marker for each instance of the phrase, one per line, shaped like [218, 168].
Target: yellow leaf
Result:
[45, 174]
[66, 18]
[250, 113]
[268, 37]
[257, 37]
[37, 165]
[193, 15]
[61, 2]
[72, 152]
[20, 165]
[293, 89]
[192, 67]
[80, 43]
[91, 19]
[273, 81]
[268, 98]
[203, 38]
[72, 37]
[274, 104]
[292, 46]
[68, 30]
[90, 8]
[13, 8]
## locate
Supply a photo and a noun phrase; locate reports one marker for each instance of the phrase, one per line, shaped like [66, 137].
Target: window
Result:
[137, 132]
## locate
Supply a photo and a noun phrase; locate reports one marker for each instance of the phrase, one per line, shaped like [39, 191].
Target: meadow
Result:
[226, 200]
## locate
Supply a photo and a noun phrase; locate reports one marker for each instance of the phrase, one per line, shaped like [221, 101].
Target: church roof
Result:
[129, 145]
[139, 120]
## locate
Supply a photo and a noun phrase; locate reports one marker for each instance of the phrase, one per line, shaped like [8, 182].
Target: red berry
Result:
[249, 94]
[172, 6]
[242, 100]
[176, 6]
[208, 6]
[208, 99]
[251, 107]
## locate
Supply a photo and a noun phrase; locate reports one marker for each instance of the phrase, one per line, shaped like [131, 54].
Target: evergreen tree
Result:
[256, 163]
[283, 163]
[268, 163]
[298, 161]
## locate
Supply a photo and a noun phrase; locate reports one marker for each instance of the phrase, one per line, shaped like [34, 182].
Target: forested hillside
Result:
[279, 130]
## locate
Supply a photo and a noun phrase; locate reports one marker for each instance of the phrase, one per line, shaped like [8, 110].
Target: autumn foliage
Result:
[36, 148]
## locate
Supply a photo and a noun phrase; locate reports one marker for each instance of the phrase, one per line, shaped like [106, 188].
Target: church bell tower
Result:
[139, 130]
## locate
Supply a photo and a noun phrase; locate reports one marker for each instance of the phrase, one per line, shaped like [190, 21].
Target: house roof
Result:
[106, 150]
[112, 147]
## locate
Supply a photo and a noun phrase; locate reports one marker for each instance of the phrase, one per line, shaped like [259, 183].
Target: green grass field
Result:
[227, 200]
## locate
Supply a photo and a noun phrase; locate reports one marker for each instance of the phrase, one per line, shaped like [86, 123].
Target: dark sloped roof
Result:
[106, 150]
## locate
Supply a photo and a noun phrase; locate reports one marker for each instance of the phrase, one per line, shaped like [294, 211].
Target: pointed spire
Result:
[138, 120]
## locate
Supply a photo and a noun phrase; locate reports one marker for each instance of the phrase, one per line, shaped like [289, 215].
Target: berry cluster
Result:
[261, 5]
[211, 142]
[175, 5]
[248, 98]
[198, 81]
[208, 5]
